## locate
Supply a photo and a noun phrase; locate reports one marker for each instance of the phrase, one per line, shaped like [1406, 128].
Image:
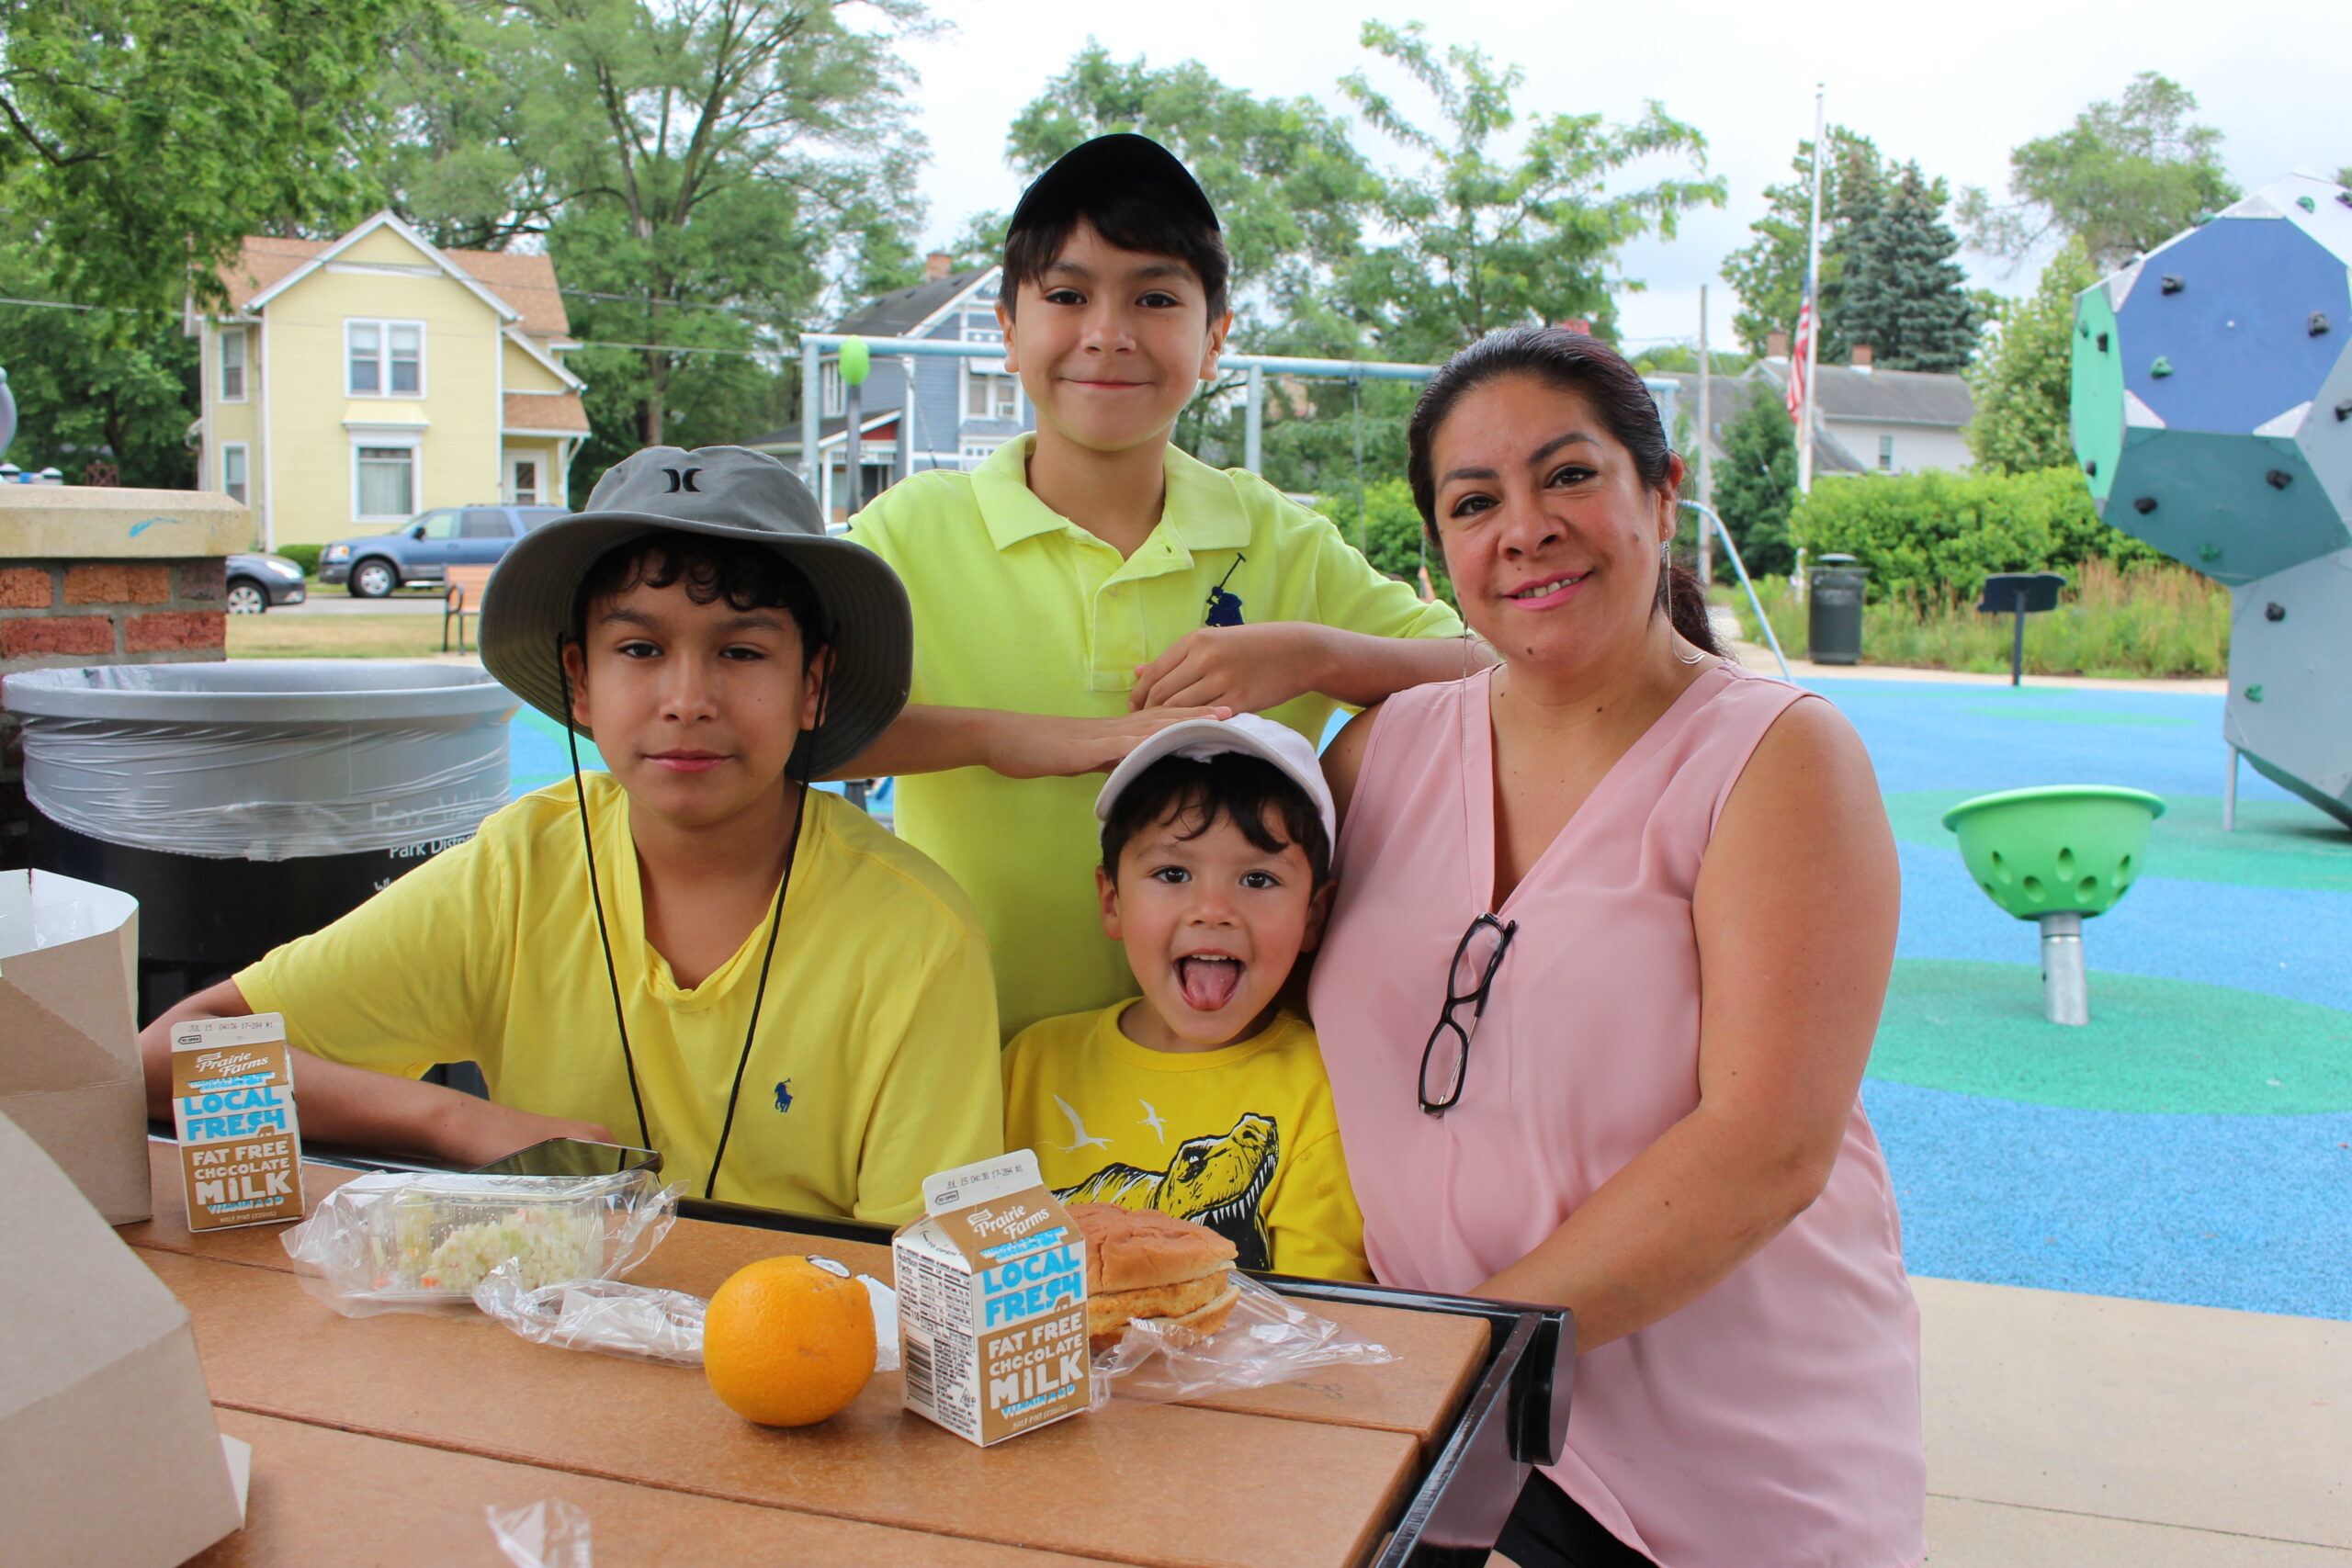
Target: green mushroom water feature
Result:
[2057, 855]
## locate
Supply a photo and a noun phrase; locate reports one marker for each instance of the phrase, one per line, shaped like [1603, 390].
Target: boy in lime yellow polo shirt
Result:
[692, 952]
[1090, 584]
[1200, 1098]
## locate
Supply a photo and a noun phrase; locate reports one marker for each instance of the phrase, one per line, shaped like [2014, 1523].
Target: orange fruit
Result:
[787, 1343]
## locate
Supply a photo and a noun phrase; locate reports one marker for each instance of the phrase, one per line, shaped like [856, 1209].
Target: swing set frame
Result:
[816, 468]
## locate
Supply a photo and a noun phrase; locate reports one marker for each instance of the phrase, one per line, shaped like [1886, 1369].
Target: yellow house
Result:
[351, 383]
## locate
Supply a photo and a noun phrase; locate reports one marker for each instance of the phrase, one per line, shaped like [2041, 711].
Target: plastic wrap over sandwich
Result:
[1169, 1317]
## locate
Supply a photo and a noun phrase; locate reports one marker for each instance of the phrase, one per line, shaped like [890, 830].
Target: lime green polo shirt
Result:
[1018, 609]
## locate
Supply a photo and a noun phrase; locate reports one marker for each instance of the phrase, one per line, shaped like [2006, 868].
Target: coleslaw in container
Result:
[423, 1242]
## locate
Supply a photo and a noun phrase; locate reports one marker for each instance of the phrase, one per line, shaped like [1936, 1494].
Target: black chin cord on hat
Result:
[596, 896]
[767, 956]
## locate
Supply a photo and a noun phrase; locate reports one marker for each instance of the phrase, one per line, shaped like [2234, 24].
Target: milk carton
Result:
[992, 1303]
[232, 1103]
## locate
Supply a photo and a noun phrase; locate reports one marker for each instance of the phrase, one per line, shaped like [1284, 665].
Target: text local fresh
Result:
[1038, 1283]
[235, 1113]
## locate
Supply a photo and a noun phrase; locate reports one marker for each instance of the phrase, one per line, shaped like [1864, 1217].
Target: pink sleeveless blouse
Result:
[1776, 1419]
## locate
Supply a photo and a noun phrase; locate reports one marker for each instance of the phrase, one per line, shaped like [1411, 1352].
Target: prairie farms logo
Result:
[230, 1064]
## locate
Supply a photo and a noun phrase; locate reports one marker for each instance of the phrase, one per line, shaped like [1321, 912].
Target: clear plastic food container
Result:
[391, 1242]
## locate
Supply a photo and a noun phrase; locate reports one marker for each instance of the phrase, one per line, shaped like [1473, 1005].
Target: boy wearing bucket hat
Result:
[1202, 1097]
[1087, 585]
[692, 952]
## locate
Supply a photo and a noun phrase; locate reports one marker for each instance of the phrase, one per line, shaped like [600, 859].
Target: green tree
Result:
[1391, 528]
[1287, 184]
[1902, 293]
[145, 138]
[116, 387]
[706, 177]
[1484, 239]
[2023, 382]
[2124, 177]
[1314, 449]
[1756, 483]
[1767, 273]
[1684, 358]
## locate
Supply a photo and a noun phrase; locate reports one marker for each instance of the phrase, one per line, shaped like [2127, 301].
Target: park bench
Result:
[461, 599]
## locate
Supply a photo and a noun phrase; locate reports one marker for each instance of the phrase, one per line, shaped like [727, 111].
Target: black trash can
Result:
[245, 804]
[1834, 612]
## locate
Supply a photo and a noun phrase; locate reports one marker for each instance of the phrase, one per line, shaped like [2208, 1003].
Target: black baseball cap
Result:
[1122, 161]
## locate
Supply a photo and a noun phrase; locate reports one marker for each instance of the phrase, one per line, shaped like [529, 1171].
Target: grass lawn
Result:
[335, 636]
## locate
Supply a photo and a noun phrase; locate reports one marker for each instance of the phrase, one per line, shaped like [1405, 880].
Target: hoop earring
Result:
[1666, 598]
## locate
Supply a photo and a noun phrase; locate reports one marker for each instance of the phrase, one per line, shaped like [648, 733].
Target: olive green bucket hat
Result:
[728, 493]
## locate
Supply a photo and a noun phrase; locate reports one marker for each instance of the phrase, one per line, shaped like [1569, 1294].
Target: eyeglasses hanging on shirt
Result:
[1445, 1059]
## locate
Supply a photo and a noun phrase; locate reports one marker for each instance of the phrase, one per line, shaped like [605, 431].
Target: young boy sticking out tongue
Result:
[1202, 1098]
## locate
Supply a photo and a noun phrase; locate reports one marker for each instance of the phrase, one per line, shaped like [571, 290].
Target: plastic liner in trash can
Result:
[245, 804]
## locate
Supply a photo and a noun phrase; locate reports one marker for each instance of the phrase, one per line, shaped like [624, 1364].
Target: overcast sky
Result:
[1952, 86]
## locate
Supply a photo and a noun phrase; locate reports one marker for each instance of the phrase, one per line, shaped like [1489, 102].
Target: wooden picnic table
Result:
[384, 1438]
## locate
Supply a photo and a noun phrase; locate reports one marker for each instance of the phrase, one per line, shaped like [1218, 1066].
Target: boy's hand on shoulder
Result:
[1035, 745]
[1246, 669]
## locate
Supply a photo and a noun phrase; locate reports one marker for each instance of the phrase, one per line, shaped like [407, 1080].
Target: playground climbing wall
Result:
[2213, 416]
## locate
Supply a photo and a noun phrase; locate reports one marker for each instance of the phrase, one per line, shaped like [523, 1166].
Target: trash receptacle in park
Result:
[1834, 610]
[245, 803]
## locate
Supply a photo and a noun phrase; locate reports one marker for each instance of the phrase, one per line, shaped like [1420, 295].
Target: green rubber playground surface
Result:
[2167, 1046]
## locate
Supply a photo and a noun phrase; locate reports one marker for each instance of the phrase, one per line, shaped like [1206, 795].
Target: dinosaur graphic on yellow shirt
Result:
[1216, 1180]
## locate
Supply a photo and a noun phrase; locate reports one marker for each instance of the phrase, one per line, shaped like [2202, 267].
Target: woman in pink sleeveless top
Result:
[1613, 927]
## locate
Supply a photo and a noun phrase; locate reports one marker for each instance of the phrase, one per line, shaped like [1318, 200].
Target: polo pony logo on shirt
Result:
[784, 1095]
[681, 479]
[1214, 1180]
[1225, 609]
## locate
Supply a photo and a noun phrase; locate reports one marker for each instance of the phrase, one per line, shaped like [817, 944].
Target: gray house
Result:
[1873, 421]
[960, 410]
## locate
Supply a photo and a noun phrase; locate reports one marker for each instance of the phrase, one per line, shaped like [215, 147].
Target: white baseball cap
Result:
[1198, 740]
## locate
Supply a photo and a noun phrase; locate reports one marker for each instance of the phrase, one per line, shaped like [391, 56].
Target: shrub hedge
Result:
[304, 556]
[1938, 535]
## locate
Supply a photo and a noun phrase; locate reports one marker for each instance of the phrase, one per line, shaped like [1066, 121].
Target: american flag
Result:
[1797, 357]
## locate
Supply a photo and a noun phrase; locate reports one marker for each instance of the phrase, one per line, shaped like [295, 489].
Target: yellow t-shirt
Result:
[1020, 610]
[1242, 1139]
[876, 1060]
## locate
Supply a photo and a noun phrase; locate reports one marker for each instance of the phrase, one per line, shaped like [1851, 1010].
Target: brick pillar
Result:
[105, 576]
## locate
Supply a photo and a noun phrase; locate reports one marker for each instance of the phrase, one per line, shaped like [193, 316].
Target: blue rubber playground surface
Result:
[2194, 1143]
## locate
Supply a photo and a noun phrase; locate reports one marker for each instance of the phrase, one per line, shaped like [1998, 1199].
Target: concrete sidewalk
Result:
[1757, 657]
[2066, 1429]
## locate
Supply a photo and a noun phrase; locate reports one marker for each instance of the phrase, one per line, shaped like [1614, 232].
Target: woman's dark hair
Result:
[1573, 362]
[1136, 220]
[748, 575]
[1231, 786]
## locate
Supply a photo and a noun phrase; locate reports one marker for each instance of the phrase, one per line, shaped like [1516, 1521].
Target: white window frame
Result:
[995, 369]
[385, 441]
[835, 391]
[245, 461]
[974, 451]
[383, 325]
[1887, 454]
[244, 366]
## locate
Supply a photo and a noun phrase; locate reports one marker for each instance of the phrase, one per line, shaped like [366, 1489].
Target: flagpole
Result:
[1813, 296]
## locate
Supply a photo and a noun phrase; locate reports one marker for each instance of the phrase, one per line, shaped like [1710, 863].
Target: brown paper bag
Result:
[108, 1453]
[69, 1051]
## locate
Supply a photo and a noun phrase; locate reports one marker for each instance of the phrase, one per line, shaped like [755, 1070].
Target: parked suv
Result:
[423, 548]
